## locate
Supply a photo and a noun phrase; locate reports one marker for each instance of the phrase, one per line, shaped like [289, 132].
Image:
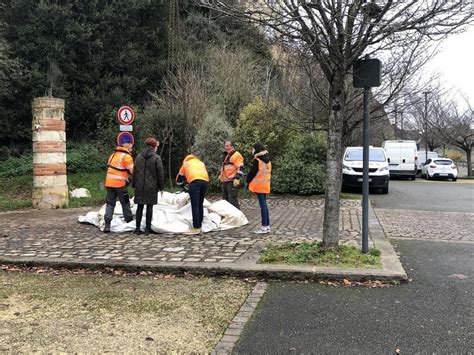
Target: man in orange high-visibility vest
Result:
[194, 172]
[119, 172]
[231, 173]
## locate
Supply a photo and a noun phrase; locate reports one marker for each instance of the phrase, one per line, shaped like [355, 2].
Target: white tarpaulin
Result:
[172, 214]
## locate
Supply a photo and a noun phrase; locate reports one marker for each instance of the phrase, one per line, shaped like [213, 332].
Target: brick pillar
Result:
[49, 153]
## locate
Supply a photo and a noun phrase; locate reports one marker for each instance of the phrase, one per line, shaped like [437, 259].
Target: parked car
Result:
[402, 158]
[440, 168]
[422, 158]
[379, 175]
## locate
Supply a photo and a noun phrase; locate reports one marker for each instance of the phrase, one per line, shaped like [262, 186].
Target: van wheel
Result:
[454, 179]
[414, 177]
[385, 190]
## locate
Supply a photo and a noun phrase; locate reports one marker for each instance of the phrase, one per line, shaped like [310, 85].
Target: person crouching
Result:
[194, 172]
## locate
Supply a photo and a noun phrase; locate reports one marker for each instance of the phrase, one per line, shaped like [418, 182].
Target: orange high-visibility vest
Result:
[261, 182]
[120, 168]
[228, 171]
[193, 169]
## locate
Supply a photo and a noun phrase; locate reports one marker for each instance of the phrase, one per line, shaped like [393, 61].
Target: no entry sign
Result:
[125, 137]
[125, 115]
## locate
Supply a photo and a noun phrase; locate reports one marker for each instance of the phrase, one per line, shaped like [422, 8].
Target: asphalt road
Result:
[427, 195]
[431, 314]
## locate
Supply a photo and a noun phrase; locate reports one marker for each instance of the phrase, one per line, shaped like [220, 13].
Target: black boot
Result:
[107, 228]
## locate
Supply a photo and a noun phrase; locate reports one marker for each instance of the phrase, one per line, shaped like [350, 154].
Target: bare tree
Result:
[337, 33]
[453, 126]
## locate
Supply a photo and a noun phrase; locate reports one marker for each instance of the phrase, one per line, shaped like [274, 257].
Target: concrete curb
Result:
[234, 330]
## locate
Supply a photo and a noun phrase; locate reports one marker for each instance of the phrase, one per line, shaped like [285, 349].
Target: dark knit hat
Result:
[258, 147]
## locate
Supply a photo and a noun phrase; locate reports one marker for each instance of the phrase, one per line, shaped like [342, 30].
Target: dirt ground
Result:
[102, 313]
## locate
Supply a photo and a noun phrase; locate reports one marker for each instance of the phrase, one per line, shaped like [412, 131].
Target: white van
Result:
[402, 158]
[422, 158]
[378, 168]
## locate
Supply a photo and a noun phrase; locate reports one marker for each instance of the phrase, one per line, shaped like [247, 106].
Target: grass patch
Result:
[90, 181]
[310, 253]
[15, 192]
[350, 196]
[100, 313]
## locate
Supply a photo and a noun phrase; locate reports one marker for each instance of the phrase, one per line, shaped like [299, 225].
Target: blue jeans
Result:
[197, 191]
[262, 201]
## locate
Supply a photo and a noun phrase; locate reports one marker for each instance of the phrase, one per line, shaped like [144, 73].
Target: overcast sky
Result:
[455, 63]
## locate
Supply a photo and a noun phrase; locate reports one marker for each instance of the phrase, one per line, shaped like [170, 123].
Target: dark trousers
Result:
[122, 194]
[230, 193]
[262, 201]
[149, 216]
[197, 191]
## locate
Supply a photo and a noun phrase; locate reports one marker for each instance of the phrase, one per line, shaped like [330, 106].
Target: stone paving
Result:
[56, 234]
[431, 225]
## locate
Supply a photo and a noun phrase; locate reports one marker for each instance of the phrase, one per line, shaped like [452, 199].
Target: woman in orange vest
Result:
[119, 171]
[194, 172]
[258, 181]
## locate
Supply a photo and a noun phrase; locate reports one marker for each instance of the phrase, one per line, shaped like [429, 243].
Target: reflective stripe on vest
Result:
[261, 182]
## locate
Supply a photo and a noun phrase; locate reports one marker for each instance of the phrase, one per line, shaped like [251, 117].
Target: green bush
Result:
[301, 169]
[85, 158]
[80, 158]
[17, 166]
[265, 121]
[209, 143]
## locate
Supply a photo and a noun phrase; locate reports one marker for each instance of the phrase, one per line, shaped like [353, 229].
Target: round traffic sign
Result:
[125, 115]
[125, 137]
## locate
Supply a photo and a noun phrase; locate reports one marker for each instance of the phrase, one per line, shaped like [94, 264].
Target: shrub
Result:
[266, 122]
[301, 169]
[16, 166]
[209, 142]
[455, 155]
[80, 158]
[85, 158]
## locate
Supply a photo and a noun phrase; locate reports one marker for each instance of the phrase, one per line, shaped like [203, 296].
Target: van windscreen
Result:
[356, 155]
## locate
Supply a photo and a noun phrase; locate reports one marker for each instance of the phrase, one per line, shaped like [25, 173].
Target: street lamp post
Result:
[426, 125]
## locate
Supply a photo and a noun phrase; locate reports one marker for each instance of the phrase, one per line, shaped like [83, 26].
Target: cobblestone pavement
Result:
[431, 225]
[56, 234]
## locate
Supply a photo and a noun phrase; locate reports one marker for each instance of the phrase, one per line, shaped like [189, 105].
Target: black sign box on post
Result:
[367, 73]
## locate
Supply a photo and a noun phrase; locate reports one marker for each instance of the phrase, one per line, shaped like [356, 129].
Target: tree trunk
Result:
[469, 161]
[333, 164]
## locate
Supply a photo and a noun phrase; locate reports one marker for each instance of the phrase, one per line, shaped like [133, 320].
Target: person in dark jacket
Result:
[148, 180]
[258, 181]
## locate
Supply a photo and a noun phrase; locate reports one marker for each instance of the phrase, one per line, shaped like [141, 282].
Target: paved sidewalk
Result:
[55, 236]
[431, 225]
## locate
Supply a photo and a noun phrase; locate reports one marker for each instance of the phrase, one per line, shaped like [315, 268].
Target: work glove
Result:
[236, 183]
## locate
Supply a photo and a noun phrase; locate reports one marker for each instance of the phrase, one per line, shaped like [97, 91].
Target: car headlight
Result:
[344, 166]
[383, 168]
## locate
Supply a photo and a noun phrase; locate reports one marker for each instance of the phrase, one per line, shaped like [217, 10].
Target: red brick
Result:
[49, 169]
[52, 125]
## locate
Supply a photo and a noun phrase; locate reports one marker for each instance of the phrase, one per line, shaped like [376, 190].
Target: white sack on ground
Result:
[172, 214]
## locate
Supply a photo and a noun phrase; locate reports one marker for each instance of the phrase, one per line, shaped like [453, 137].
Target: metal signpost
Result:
[367, 74]
[125, 116]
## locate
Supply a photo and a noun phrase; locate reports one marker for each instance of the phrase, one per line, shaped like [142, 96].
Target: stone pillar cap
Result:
[48, 102]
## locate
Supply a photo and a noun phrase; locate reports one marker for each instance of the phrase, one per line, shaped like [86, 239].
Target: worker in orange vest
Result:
[119, 172]
[194, 173]
[231, 173]
[258, 180]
